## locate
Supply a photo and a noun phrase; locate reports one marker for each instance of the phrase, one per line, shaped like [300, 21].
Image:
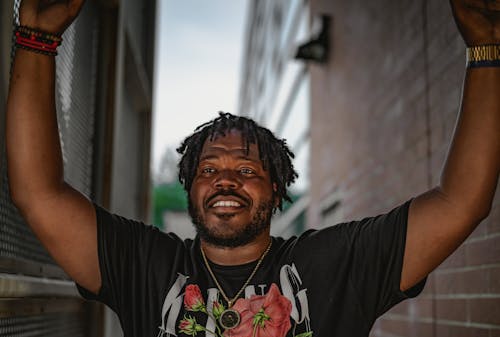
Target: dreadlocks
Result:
[273, 152]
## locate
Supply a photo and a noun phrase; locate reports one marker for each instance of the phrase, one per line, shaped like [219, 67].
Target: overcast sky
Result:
[198, 64]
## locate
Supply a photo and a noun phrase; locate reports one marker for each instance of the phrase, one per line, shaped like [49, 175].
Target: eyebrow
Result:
[212, 156]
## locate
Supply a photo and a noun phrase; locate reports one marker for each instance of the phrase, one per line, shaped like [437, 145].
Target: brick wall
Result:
[382, 115]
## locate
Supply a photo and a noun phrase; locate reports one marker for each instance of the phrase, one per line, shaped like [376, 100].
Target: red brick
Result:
[494, 280]
[421, 330]
[430, 286]
[483, 251]
[480, 232]
[395, 327]
[485, 310]
[456, 259]
[422, 307]
[368, 138]
[443, 330]
[493, 220]
[447, 283]
[463, 282]
[451, 309]
[400, 309]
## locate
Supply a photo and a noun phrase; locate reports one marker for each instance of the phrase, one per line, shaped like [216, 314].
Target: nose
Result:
[226, 179]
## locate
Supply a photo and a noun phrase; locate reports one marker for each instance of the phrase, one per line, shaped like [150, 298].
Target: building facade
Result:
[103, 98]
[381, 114]
[275, 87]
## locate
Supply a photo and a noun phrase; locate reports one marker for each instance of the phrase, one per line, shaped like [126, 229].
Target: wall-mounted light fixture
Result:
[316, 49]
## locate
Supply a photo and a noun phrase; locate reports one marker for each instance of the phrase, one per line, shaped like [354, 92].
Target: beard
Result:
[259, 223]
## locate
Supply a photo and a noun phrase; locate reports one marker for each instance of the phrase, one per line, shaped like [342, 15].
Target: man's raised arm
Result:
[441, 219]
[61, 217]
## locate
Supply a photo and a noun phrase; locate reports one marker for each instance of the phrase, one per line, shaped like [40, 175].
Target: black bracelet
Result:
[481, 64]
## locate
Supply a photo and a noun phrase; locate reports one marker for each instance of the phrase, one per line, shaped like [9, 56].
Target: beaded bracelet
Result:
[37, 41]
[483, 56]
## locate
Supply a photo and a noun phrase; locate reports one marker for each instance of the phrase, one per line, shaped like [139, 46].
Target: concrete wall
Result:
[104, 69]
[382, 114]
[125, 162]
[130, 179]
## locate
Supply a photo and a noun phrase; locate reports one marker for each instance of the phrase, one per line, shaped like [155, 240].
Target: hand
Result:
[478, 21]
[52, 16]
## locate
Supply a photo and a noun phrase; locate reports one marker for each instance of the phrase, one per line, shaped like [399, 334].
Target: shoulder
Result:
[116, 227]
[342, 234]
[312, 242]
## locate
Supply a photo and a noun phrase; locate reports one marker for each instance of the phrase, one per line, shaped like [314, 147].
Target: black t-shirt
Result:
[338, 279]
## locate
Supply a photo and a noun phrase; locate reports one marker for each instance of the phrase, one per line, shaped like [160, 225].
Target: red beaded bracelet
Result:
[37, 41]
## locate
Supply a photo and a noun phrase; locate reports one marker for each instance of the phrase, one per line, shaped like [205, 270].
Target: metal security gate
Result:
[36, 297]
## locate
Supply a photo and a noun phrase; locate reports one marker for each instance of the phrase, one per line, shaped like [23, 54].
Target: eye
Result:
[207, 170]
[246, 171]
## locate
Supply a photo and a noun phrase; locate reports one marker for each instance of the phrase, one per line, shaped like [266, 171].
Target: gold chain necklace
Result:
[230, 318]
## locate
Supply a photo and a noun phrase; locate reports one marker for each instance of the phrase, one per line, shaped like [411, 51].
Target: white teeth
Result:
[223, 203]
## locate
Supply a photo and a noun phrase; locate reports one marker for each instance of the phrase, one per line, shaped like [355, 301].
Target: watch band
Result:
[483, 56]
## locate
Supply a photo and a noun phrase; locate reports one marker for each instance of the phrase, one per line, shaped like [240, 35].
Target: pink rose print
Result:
[217, 309]
[193, 301]
[189, 326]
[263, 316]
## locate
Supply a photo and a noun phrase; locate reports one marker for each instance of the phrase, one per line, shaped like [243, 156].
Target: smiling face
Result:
[231, 197]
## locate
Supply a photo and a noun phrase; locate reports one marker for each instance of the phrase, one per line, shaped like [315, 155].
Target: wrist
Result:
[34, 21]
[37, 41]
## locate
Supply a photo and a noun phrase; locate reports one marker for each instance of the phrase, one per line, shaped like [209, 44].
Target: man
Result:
[234, 279]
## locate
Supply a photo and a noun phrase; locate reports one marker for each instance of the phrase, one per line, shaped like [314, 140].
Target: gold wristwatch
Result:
[484, 56]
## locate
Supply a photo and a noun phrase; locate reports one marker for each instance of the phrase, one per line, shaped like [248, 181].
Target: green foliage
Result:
[299, 223]
[294, 197]
[305, 334]
[168, 197]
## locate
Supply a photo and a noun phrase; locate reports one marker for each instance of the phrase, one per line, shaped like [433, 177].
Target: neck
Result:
[231, 256]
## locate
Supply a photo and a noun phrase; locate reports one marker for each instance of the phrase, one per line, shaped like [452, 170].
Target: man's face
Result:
[231, 197]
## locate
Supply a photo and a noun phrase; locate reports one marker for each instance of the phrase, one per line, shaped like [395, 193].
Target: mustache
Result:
[227, 193]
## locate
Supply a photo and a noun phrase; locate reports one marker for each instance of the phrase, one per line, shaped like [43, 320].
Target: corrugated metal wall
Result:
[36, 297]
[104, 99]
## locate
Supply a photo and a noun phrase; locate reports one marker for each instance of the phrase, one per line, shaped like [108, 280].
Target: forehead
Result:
[231, 143]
